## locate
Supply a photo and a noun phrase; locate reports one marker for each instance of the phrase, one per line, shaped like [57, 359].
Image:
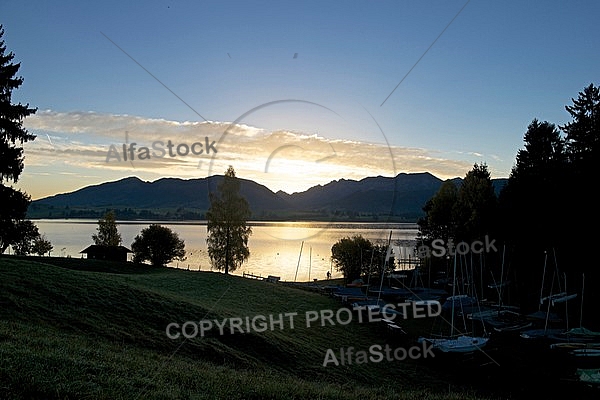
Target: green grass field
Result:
[85, 329]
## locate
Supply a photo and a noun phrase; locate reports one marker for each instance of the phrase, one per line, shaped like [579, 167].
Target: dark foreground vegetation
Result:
[545, 214]
[76, 328]
[73, 328]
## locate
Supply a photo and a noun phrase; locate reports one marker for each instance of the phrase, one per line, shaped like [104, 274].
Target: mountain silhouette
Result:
[399, 198]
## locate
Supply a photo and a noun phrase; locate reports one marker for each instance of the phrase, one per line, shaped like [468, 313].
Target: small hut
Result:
[103, 252]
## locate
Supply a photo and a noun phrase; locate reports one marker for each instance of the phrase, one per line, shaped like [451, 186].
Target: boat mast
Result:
[453, 298]
[298, 266]
[500, 302]
[581, 310]
[383, 270]
[566, 302]
[543, 279]
[549, 302]
[309, 262]
[370, 267]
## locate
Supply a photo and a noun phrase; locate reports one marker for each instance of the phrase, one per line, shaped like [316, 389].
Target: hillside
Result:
[398, 199]
[90, 329]
[133, 196]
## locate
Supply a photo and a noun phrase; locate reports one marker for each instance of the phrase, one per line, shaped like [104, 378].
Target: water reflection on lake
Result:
[274, 246]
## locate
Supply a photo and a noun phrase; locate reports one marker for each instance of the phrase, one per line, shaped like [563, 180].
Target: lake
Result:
[275, 247]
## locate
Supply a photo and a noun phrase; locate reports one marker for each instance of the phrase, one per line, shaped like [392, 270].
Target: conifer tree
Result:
[12, 136]
[583, 132]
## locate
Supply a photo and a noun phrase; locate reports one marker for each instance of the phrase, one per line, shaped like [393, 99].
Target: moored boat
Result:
[460, 344]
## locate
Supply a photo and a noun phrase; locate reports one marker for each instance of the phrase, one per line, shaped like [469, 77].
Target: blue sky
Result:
[469, 99]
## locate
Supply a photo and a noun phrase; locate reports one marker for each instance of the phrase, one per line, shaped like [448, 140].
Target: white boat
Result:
[558, 298]
[506, 321]
[581, 333]
[585, 352]
[494, 311]
[460, 344]
[570, 346]
[541, 333]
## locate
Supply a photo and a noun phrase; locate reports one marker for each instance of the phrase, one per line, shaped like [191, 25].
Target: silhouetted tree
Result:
[27, 233]
[356, 257]
[108, 233]
[439, 220]
[41, 245]
[583, 132]
[12, 136]
[582, 136]
[227, 228]
[12, 213]
[546, 205]
[476, 205]
[464, 213]
[543, 156]
[157, 244]
[532, 195]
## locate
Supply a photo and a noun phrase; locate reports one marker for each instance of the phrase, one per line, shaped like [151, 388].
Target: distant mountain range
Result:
[398, 199]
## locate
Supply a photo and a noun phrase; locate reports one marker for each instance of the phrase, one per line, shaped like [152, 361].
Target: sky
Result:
[291, 94]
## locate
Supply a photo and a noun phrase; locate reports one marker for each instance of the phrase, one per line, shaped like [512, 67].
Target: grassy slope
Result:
[74, 330]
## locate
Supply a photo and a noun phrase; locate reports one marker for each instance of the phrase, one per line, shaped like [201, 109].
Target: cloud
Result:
[280, 159]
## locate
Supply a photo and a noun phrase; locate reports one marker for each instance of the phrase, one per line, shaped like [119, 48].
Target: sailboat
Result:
[562, 297]
[585, 341]
[506, 321]
[461, 343]
[502, 318]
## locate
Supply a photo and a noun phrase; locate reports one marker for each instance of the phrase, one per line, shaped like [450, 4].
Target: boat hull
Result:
[460, 344]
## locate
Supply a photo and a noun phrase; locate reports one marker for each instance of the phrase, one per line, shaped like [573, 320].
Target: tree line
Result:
[546, 212]
[547, 207]
[227, 228]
